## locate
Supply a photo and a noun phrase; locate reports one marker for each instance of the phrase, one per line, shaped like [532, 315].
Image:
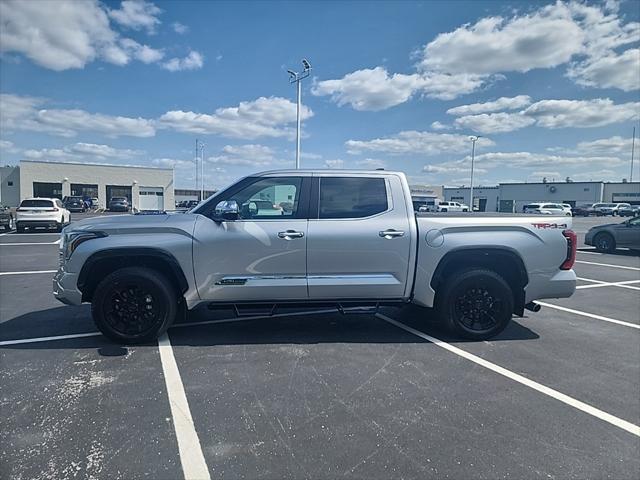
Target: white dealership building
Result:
[146, 188]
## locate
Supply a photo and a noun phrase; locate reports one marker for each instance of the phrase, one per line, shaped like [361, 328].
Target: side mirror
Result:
[226, 210]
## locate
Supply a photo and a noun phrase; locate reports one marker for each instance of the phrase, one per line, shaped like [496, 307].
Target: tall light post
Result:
[202, 145]
[633, 147]
[295, 77]
[474, 139]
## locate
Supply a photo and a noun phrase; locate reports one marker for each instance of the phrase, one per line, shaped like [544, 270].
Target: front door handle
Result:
[289, 234]
[391, 233]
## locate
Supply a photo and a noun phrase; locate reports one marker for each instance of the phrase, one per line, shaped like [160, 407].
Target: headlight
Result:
[71, 240]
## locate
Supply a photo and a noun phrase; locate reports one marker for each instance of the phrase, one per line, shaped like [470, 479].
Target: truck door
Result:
[359, 243]
[262, 255]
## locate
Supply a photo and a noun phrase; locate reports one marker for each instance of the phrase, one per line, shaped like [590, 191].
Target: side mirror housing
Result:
[226, 210]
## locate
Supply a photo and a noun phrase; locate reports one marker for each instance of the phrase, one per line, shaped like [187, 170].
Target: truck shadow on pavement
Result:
[311, 328]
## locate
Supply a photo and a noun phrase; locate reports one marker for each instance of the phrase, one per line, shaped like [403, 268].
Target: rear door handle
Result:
[391, 233]
[289, 234]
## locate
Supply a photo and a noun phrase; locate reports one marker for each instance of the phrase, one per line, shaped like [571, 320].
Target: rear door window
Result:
[36, 203]
[352, 197]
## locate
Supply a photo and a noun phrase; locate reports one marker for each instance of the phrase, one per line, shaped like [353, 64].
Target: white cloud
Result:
[65, 34]
[611, 70]
[451, 168]
[22, 113]
[173, 163]
[263, 117]
[494, 122]
[581, 113]
[137, 15]
[546, 38]
[179, 28]
[193, 61]
[415, 142]
[612, 145]
[244, 155]
[439, 126]
[337, 163]
[81, 151]
[374, 89]
[369, 89]
[537, 160]
[371, 163]
[502, 103]
[8, 147]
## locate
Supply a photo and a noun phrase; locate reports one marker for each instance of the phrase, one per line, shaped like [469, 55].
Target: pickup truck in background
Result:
[347, 238]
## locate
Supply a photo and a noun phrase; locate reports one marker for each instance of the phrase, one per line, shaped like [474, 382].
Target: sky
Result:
[551, 88]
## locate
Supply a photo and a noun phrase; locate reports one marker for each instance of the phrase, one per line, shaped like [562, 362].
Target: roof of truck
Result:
[324, 171]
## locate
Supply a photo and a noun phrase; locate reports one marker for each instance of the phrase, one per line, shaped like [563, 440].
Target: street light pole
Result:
[202, 171]
[295, 77]
[474, 139]
[633, 146]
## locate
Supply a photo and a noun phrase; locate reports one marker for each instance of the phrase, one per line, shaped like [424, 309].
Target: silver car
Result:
[606, 238]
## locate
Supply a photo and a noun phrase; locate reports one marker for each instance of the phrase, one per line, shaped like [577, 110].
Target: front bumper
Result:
[65, 287]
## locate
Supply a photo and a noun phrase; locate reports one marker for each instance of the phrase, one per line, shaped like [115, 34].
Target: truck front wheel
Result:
[475, 304]
[134, 305]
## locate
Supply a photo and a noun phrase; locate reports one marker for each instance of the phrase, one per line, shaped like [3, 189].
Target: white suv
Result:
[451, 207]
[547, 209]
[41, 212]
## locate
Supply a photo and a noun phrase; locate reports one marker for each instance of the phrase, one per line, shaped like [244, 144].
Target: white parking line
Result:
[599, 283]
[590, 315]
[48, 339]
[192, 459]
[29, 243]
[572, 402]
[28, 272]
[609, 265]
[589, 253]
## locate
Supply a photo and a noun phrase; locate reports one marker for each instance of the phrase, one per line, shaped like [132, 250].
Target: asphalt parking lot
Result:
[321, 395]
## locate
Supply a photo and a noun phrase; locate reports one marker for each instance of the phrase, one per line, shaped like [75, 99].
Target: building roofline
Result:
[97, 164]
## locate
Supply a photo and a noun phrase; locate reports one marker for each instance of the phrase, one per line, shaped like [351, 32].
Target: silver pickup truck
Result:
[346, 238]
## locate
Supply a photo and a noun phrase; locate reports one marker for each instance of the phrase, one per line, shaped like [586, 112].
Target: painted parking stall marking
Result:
[624, 267]
[28, 272]
[194, 465]
[572, 402]
[589, 315]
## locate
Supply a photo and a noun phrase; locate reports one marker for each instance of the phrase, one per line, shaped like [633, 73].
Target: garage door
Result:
[151, 198]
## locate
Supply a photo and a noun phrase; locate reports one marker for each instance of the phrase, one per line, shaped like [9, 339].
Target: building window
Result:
[47, 190]
[10, 183]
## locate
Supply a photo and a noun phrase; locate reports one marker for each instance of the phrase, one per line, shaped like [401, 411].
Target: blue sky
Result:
[552, 88]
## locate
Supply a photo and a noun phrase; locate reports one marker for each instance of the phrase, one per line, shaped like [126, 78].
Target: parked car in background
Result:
[74, 204]
[451, 207]
[567, 208]
[191, 203]
[119, 204]
[606, 238]
[630, 211]
[41, 212]
[7, 219]
[583, 211]
[612, 208]
[95, 203]
[546, 209]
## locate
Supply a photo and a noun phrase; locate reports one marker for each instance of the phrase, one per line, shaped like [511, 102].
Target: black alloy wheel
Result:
[475, 303]
[134, 305]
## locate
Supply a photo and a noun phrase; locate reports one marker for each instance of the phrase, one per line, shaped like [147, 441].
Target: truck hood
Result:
[115, 224]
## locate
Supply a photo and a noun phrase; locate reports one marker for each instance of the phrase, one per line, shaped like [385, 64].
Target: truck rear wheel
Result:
[134, 305]
[475, 304]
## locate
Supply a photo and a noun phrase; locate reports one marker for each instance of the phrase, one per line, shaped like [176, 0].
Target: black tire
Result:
[60, 226]
[475, 304]
[120, 305]
[604, 242]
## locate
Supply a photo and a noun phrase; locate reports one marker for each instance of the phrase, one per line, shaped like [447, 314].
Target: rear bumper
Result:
[50, 223]
[560, 285]
[65, 287]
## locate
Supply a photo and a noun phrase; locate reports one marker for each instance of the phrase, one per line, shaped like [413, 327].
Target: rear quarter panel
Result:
[537, 240]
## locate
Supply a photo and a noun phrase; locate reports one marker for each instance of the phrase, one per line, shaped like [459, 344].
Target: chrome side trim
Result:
[243, 280]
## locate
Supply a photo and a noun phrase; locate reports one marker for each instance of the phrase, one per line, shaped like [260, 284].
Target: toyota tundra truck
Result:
[350, 239]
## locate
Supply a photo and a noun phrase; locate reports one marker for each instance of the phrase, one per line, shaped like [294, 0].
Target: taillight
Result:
[572, 244]
[50, 210]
